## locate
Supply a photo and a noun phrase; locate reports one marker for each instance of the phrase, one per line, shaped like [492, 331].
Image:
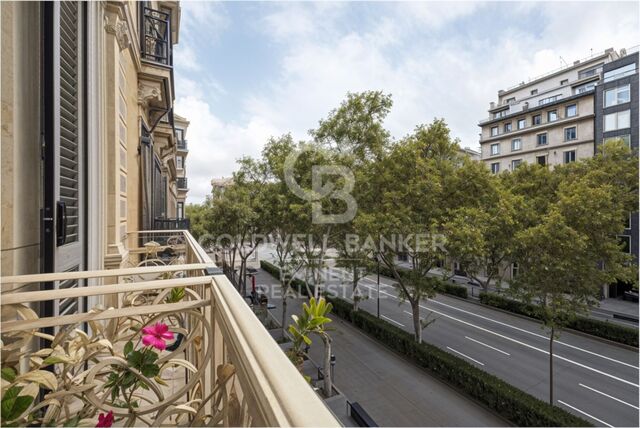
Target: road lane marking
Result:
[389, 319]
[488, 346]
[610, 396]
[560, 357]
[537, 335]
[585, 413]
[466, 356]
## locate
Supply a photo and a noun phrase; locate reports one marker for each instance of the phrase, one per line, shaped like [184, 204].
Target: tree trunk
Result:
[284, 314]
[417, 329]
[327, 365]
[551, 367]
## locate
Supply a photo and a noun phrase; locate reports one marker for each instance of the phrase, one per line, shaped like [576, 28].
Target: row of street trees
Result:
[559, 225]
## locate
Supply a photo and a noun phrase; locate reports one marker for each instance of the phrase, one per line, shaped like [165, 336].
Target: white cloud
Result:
[436, 59]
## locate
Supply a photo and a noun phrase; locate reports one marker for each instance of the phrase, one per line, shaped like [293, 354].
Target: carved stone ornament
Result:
[148, 94]
[114, 25]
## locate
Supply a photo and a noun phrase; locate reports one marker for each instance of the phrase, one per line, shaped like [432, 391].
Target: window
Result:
[516, 144]
[514, 270]
[522, 123]
[624, 241]
[584, 88]
[589, 72]
[548, 100]
[626, 139]
[179, 162]
[626, 70]
[570, 133]
[534, 91]
[494, 131]
[537, 119]
[541, 139]
[500, 114]
[552, 115]
[180, 210]
[495, 149]
[515, 163]
[615, 96]
[564, 81]
[569, 156]
[618, 120]
[571, 110]
[507, 127]
[541, 160]
[627, 221]
[511, 100]
[495, 167]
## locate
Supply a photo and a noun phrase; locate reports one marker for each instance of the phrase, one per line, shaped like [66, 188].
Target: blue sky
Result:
[248, 70]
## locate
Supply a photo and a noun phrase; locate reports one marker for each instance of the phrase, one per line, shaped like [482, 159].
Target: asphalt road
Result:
[595, 380]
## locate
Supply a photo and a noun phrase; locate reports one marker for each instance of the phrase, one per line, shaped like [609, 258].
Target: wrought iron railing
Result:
[182, 145]
[220, 367]
[171, 224]
[182, 183]
[155, 36]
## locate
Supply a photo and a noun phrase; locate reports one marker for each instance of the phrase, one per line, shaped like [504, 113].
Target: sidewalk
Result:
[393, 391]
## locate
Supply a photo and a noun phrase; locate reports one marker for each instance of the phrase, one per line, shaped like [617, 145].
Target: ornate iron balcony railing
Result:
[171, 224]
[220, 367]
[182, 183]
[182, 145]
[155, 36]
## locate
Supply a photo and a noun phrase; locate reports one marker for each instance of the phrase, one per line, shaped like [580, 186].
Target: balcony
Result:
[182, 145]
[171, 224]
[155, 37]
[221, 368]
[182, 183]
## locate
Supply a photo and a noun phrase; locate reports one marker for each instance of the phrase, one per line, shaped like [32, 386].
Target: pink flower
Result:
[105, 421]
[155, 336]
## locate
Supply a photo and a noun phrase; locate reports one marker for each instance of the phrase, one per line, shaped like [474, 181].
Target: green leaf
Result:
[150, 370]
[135, 359]
[128, 348]
[14, 405]
[8, 374]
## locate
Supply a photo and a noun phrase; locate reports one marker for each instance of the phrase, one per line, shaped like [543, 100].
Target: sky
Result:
[246, 71]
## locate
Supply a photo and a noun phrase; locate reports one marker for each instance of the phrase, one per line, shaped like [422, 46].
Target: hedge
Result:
[444, 286]
[513, 404]
[604, 329]
[506, 400]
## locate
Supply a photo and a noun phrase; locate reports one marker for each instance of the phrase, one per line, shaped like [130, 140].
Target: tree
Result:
[196, 213]
[406, 207]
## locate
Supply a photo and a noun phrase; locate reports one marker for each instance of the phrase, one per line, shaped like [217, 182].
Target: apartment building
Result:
[182, 187]
[617, 112]
[89, 174]
[549, 120]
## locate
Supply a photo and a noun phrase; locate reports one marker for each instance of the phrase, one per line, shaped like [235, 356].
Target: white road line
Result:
[537, 335]
[610, 396]
[488, 346]
[466, 356]
[560, 357]
[394, 321]
[585, 413]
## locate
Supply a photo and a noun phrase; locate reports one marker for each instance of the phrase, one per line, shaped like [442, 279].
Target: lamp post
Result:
[378, 282]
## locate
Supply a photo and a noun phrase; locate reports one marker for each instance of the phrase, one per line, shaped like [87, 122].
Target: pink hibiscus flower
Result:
[155, 336]
[105, 421]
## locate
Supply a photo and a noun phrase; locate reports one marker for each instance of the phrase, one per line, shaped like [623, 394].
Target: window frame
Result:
[497, 152]
[566, 110]
[497, 167]
[533, 119]
[549, 113]
[524, 121]
[546, 140]
[564, 132]
[617, 115]
[515, 165]
[496, 128]
[504, 128]
[513, 148]
[617, 91]
[545, 157]
[564, 156]
[627, 140]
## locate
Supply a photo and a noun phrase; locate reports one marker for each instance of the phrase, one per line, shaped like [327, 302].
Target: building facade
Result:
[88, 133]
[548, 121]
[617, 110]
[182, 187]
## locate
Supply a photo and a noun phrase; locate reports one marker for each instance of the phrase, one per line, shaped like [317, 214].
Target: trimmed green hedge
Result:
[274, 270]
[604, 329]
[506, 400]
[513, 404]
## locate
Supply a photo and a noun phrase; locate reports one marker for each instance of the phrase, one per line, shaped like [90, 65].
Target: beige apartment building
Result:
[548, 120]
[90, 246]
[182, 185]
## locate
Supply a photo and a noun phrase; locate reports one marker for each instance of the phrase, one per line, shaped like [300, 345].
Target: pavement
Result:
[392, 390]
[595, 380]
